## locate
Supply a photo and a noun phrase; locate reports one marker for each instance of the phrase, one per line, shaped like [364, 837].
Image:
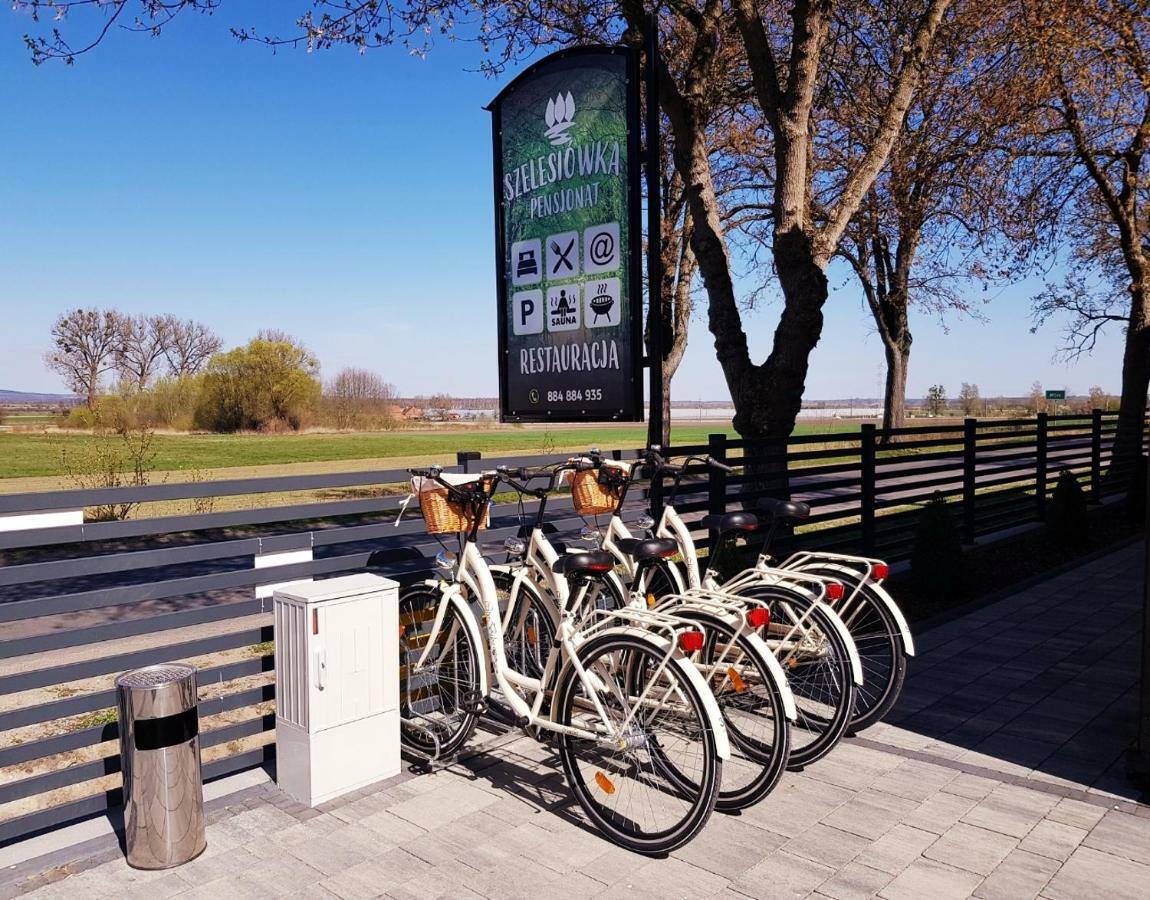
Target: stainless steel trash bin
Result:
[160, 754]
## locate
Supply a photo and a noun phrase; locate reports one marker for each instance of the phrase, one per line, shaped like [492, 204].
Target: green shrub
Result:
[80, 417]
[936, 560]
[268, 385]
[1067, 522]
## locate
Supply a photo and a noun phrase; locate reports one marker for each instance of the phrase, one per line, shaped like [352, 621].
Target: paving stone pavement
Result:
[999, 775]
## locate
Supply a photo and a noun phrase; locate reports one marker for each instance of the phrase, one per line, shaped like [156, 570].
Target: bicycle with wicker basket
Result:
[747, 682]
[640, 737]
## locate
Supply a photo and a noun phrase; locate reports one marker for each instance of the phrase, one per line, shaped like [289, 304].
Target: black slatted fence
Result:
[82, 603]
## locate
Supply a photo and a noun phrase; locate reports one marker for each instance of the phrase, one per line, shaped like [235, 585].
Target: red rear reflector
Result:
[691, 641]
[667, 554]
[834, 591]
[599, 567]
[879, 571]
[759, 617]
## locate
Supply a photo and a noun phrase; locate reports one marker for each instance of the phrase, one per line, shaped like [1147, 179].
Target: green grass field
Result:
[25, 455]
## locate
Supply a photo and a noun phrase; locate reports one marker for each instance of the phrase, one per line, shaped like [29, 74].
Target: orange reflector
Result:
[651, 601]
[759, 617]
[315, 621]
[531, 635]
[691, 641]
[879, 571]
[736, 681]
[605, 783]
[792, 662]
[834, 591]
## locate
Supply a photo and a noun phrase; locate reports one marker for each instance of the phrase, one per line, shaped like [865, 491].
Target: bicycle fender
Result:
[467, 617]
[852, 649]
[886, 599]
[775, 671]
[767, 660]
[710, 705]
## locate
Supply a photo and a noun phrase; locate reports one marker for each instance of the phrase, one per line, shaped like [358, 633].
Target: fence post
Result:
[867, 466]
[464, 457]
[1040, 468]
[716, 480]
[969, 462]
[1096, 456]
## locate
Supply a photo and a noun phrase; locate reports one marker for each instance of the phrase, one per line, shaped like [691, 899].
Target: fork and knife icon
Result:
[561, 257]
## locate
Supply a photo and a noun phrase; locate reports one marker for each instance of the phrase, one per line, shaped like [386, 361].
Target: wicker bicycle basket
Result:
[589, 496]
[444, 516]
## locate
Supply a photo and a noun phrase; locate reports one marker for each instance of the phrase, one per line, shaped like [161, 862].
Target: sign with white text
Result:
[568, 239]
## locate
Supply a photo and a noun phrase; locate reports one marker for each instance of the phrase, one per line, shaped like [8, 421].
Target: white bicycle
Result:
[748, 683]
[805, 634]
[640, 736]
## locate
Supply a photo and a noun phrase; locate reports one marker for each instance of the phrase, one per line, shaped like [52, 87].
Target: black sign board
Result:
[568, 239]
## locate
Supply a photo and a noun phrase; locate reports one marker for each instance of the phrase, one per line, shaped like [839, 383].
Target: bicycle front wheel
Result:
[650, 780]
[438, 701]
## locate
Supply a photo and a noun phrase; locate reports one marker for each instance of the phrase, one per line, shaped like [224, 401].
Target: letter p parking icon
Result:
[527, 312]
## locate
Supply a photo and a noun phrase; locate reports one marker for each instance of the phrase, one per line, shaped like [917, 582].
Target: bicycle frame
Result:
[472, 572]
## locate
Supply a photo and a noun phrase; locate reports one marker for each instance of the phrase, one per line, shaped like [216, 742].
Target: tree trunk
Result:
[894, 403]
[1135, 382]
[677, 306]
[769, 400]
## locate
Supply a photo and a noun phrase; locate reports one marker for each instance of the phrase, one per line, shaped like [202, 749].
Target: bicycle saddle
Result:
[785, 510]
[648, 548]
[591, 562]
[736, 521]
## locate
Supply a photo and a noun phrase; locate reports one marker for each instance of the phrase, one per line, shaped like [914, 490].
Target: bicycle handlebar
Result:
[715, 464]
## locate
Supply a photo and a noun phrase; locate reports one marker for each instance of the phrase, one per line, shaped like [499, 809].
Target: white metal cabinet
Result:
[337, 685]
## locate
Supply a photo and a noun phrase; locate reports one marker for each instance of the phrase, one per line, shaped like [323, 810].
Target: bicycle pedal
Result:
[472, 703]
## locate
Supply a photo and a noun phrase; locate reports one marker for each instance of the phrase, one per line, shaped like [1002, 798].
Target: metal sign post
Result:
[655, 337]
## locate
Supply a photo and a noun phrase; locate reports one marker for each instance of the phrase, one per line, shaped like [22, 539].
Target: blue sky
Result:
[347, 200]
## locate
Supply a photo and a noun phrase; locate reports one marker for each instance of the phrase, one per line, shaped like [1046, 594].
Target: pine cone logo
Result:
[559, 117]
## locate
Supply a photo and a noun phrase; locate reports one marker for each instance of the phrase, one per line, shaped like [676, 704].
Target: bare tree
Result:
[969, 400]
[85, 347]
[1036, 402]
[924, 233]
[357, 396]
[144, 341]
[1084, 167]
[679, 270]
[188, 345]
[936, 400]
[1099, 399]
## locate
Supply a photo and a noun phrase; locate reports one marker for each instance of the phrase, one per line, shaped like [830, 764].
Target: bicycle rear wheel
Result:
[817, 664]
[753, 711]
[438, 704]
[880, 647]
[623, 784]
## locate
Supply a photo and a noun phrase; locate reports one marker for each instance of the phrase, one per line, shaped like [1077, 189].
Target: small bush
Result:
[1067, 522]
[1136, 495]
[936, 560]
